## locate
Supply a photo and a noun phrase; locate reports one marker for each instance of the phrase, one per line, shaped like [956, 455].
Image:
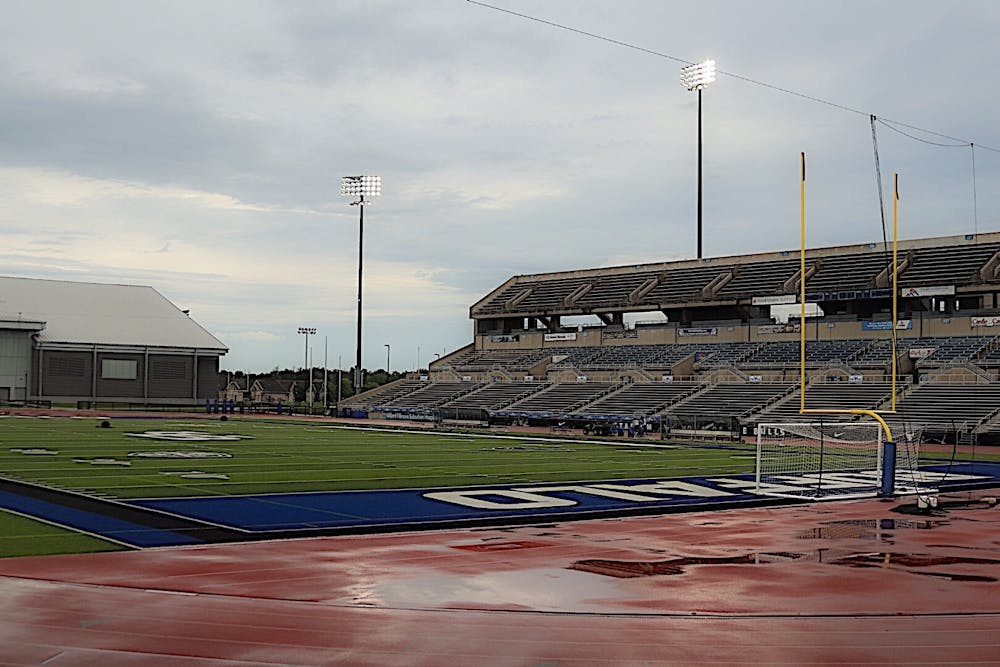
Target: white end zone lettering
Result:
[535, 498]
[529, 501]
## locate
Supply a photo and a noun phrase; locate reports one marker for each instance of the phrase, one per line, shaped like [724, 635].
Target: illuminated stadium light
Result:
[697, 77]
[360, 187]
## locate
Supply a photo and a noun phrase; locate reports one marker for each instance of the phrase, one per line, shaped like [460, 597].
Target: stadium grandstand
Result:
[88, 344]
[706, 345]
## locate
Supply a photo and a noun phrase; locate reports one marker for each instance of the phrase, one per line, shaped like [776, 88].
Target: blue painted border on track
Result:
[412, 507]
[122, 531]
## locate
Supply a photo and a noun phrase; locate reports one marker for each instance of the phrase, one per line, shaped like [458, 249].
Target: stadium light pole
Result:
[697, 77]
[307, 331]
[359, 187]
[388, 348]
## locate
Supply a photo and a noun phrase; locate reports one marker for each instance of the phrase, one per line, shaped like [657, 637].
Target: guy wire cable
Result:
[755, 82]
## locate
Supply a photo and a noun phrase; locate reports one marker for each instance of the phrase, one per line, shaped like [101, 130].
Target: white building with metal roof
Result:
[68, 342]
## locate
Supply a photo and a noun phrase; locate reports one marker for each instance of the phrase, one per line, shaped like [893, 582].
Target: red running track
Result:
[834, 583]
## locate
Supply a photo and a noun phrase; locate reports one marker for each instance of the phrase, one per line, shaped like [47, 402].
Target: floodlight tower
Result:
[307, 331]
[697, 77]
[360, 187]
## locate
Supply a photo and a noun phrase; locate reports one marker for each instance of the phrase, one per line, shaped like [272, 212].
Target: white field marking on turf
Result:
[239, 528]
[103, 462]
[70, 528]
[431, 470]
[523, 438]
[119, 501]
[514, 479]
[197, 474]
[35, 451]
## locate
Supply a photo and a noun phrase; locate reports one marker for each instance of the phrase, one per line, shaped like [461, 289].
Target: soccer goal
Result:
[826, 460]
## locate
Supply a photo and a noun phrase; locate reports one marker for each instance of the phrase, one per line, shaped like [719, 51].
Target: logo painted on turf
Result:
[187, 436]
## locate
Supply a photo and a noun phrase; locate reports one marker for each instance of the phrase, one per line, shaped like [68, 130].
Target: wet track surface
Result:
[844, 583]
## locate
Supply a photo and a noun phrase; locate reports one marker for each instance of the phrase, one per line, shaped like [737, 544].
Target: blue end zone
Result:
[414, 507]
[122, 531]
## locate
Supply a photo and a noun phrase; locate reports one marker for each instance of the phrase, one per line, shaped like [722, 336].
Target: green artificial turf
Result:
[21, 536]
[285, 457]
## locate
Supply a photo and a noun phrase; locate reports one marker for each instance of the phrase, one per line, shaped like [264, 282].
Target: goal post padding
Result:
[834, 459]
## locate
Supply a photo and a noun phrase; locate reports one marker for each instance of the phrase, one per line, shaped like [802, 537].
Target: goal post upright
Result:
[887, 458]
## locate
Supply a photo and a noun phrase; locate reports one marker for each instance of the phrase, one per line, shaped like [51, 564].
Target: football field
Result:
[177, 458]
[71, 484]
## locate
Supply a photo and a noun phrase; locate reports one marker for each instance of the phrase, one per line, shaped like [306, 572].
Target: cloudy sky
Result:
[198, 147]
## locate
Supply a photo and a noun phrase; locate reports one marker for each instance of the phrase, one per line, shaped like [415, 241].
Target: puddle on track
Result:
[908, 562]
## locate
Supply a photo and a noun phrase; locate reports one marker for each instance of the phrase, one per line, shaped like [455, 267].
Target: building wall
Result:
[171, 376]
[15, 364]
[71, 375]
[65, 373]
[125, 387]
[208, 377]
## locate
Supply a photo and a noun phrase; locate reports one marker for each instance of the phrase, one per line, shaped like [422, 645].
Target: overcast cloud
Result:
[198, 148]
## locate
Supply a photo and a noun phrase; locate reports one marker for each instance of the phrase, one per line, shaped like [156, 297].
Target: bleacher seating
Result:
[829, 395]
[559, 399]
[788, 353]
[495, 395]
[637, 400]
[724, 401]
[952, 349]
[947, 350]
[480, 360]
[387, 394]
[945, 405]
[845, 272]
[991, 359]
[624, 356]
[758, 278]
[429, 396]
[946, 265]
[724, 354]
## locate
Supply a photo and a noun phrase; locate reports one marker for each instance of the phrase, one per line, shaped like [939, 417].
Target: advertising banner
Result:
[771, 329]
[855, 379]
[921, 352]
[886, 325]
[780, 300]
[505, 339]
[560, 336]
[698, 331]
[939, 290]
[986, 321]
[615, 335]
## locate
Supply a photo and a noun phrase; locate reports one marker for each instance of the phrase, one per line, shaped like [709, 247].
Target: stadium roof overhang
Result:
[21, 325]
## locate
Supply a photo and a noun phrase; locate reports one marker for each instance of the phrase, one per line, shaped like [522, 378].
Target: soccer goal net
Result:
[823, 460]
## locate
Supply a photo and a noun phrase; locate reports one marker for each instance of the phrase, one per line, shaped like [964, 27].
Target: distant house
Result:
[235, 389]
[277, 390]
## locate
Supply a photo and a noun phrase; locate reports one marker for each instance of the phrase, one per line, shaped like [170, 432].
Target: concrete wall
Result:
[671, 333]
